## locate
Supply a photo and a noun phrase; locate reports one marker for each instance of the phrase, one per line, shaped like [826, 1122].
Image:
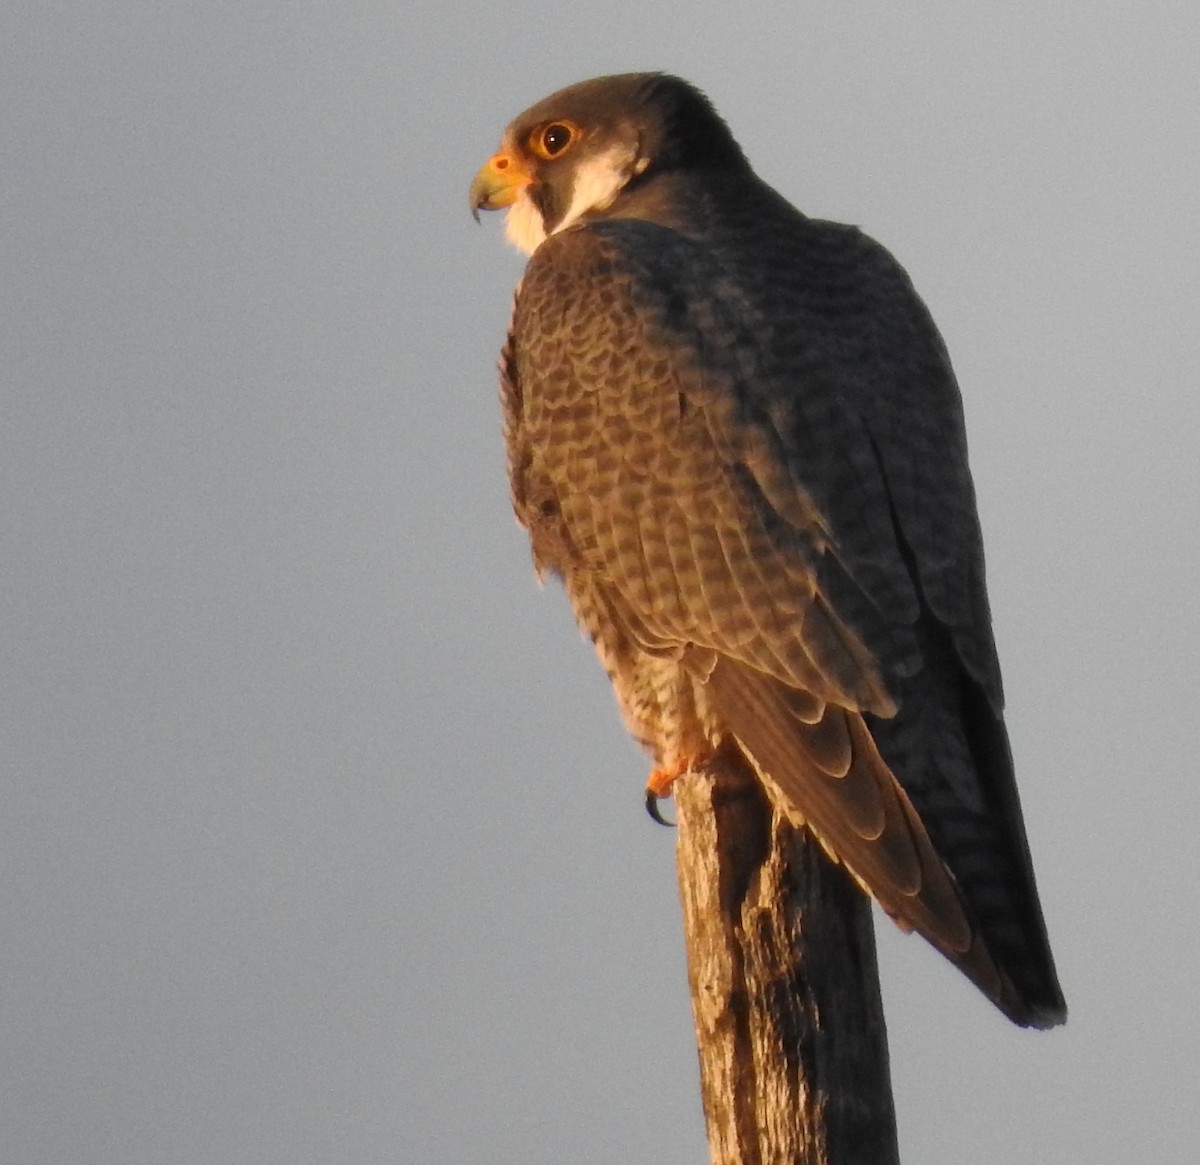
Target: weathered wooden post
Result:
[785, 988]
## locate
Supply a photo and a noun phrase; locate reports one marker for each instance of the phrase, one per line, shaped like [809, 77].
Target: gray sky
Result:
[321, 840]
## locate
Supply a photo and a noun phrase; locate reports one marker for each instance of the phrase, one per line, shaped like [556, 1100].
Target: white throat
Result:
[597, 183]
[523, 224]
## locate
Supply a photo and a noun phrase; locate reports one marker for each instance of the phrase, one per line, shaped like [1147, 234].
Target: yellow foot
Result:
[661, 780]
[658, 787]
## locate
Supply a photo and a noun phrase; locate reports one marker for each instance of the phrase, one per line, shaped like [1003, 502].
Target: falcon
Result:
[733, 432]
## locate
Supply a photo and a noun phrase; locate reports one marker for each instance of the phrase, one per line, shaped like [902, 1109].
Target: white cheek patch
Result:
[598, 181]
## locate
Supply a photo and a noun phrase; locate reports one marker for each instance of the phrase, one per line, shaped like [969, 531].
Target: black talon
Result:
[652, 808]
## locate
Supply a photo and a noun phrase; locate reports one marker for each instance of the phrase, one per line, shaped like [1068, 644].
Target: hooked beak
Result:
[499, 183]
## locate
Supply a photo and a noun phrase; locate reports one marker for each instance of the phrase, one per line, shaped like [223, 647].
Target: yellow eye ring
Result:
[550, 140]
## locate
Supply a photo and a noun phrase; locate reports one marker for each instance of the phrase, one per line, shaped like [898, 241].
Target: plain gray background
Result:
[321, 840]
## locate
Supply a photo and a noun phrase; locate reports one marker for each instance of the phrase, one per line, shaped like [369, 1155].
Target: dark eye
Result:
[555, 138]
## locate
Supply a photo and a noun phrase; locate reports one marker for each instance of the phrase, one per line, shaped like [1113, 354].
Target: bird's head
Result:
[578, 151]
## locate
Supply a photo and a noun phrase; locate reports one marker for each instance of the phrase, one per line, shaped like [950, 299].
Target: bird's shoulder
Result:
[801, 349]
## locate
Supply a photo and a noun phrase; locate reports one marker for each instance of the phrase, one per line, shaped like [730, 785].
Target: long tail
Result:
[820, 763]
